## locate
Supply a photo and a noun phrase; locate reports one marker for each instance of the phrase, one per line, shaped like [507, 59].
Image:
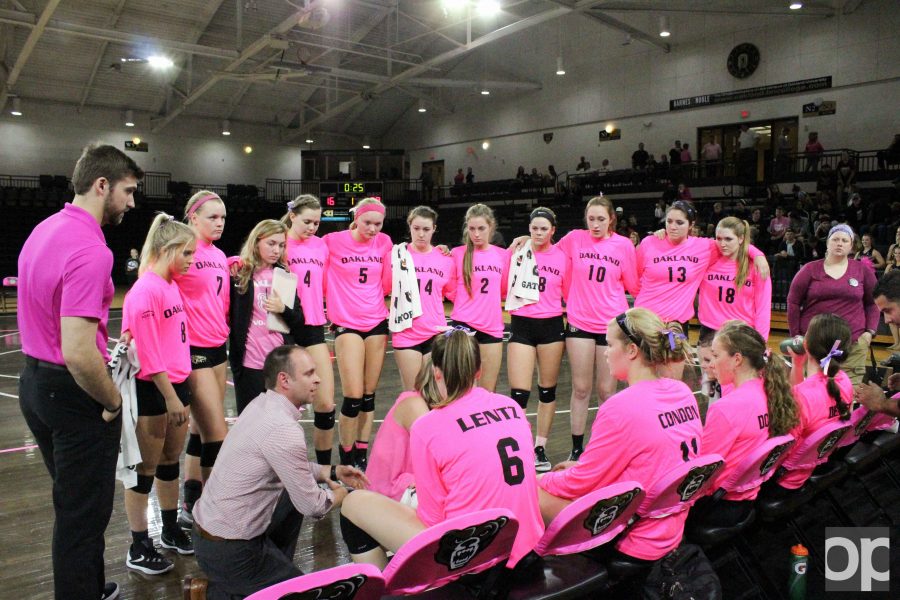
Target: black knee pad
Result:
[350, 407]
[194, 445]
[547, 394]
[521, 397]
[324, 420]
[208, 453]
[357, 540]
[167, 472]
[368, 403]
[144, 484]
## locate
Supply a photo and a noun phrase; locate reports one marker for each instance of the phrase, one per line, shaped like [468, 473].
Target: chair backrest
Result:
[758, 466]
[347, 582]
[678, 489]
[10, 282]
[862, 421]
[817, 446]
[591, 520]
[466, 544]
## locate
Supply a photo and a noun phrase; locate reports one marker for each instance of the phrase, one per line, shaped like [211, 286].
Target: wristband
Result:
[334, 476]
[112, 412]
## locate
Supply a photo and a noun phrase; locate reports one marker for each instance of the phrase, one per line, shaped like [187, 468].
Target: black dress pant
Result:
[80, 451]
[248, 384]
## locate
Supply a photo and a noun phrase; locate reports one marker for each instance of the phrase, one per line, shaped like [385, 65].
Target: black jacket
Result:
[239, 314]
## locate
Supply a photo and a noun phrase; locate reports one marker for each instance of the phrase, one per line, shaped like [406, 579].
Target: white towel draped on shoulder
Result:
[405, 302]
[523, 279]
[124, 367]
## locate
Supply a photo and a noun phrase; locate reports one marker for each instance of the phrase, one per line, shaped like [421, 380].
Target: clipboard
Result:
[285, 285]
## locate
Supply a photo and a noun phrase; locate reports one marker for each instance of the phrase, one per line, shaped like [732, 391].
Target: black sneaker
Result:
[541, 464]
[144, 557]
[361, 461]
[177, 540]
[110, 591]
[575, 453]
[185, 518]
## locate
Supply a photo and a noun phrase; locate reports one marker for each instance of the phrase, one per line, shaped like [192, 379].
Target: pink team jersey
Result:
[437, 280]
[599, 273]
[307, 259]
[490, 271]
[390, 469]
[720, 303]
[815, 408]
[261, 341]
[206, 292]
[639, 433]
[553, 281]
[155, 315]
[476, 453]
[357, 278]
[735, 426]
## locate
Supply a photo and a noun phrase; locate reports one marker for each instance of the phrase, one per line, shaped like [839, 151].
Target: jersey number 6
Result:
[513, 468]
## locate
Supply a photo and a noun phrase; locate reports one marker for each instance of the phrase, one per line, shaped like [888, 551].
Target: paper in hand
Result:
[285, 285]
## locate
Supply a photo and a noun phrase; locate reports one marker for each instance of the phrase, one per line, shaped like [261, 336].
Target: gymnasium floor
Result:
[26, 518]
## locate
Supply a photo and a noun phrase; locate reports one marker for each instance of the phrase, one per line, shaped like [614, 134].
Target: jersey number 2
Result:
[513, 467]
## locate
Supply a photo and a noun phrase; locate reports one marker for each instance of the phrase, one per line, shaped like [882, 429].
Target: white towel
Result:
[405, 302]
[523, 279]
[125, 366]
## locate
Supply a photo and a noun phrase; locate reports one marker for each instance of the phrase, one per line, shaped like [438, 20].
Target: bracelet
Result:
[334, 476]
[112, 412]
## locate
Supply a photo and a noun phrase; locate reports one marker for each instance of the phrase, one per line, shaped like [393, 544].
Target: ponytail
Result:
[828, 337]
[456, 354]
[426, 384]
[298, 205]
[165, 234]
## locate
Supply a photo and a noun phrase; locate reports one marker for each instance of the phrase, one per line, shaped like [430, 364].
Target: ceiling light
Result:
[795, 5]
[485, 92]
[129, 118]
[664, 30]
[422, 107]
[487, 8]
[485, 145]
[609, 128]
[16, 109]
[310, 141]
[560, 70]
[226, 127]
[160, 62]
[453, 4]
[366, 143]
[136, 140]
[248, 149]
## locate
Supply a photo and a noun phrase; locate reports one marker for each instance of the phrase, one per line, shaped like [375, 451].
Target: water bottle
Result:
[795, 343]
[797, 581]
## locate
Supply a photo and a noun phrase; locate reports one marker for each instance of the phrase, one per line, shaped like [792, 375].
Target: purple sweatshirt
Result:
[813, 292]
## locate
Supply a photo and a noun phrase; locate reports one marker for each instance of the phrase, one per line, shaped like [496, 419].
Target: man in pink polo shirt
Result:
[66, 395]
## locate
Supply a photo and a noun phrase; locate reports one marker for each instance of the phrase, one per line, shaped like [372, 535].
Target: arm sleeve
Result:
[763, 305]
[430, 488]
[872, 312]
[286, 454]
[796, 299]
[85, 278]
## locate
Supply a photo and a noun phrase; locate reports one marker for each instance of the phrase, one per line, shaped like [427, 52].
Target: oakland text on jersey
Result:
[677, 258]
[548, 269]
[360, 259]
[430, 270]
[675, 417]
[600, 257]
[300, 260]
[726, 278]
[208, 264]
[169, 312]
[487, 417]
[494, 268]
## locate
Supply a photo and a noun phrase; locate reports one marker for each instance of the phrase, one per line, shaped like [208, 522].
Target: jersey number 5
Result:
[513, 467]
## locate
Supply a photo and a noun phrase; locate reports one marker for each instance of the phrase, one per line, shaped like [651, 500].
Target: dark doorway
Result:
[777, 140]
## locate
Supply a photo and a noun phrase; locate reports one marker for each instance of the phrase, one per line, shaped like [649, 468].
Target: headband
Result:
[361, 210]
[841, 227]
[686, 209]
[201, 202]
[825, 362]
[542, 212]
[623, 325]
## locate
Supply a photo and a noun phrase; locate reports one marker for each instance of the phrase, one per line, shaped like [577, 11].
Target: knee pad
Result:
[350, 407]
[167, 472]
[324, 420]
[208, 453]
[194, 445]
[547, 394]
[521, 397]
[144, 484]
[357, 540]
[368, 403]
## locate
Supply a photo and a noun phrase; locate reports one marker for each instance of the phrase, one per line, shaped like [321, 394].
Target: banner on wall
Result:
[608, 136]
[820, 108]
[766, 91]
[548, 137]
[139, 147]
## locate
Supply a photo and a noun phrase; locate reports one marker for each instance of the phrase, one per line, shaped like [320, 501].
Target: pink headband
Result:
[376, 207]
[201, 202]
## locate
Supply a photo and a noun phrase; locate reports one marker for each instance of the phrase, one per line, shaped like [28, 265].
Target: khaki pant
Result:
[855, 365]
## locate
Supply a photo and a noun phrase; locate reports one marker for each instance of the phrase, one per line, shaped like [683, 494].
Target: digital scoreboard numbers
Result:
[338, 197]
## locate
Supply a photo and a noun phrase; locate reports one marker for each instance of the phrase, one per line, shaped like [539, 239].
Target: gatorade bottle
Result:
[797, 580]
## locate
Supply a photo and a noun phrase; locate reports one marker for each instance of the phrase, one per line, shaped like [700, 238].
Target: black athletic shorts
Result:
[422, 347]
[480, 336]
[380, 329]
[207, 358]
[536, 332]
[310, 335]
[574, 332]
[150, 400]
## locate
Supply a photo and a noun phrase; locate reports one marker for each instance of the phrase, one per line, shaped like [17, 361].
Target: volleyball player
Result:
[538, 331]
[358, 276]
[154, 316]
[482, 270]
[462, 462]
[731, 289]
[204, 289]
[306, 256]
[640, 433]
[437, 280]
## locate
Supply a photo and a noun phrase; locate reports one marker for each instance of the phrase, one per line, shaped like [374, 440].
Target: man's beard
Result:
[110, 217]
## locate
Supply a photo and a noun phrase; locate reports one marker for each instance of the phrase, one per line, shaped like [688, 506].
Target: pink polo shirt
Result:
[206, 290]
[64, 271]
[306, 259]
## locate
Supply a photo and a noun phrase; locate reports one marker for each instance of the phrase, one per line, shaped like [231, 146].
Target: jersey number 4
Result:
[513, 467]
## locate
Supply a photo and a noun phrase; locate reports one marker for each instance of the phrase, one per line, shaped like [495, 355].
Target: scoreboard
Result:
[338, 197]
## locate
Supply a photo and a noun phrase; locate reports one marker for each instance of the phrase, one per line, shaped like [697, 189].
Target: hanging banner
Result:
[820, 109]
[766, 91]
[607, 136]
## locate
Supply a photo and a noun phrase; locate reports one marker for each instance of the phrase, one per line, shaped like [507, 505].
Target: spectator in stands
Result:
[878, 218]
[715, 214]
[553, 178]
[639, 158]
[846, 177]
[686, 153]
[520, 173]
[813, 150]
[712, 155]
[826, 180]
[896, 243]
[470, 176]
[759, 229]
[427, 185]
[783, 158]
[857, 212]
[604, 166]
[663, 165]
[635, 238]
[778, 225]
[890, 156]
[675, 154]
[131, 266]
[790, 248]
[893, 265]
[652, 165]
[747, 141]
[869, 251]
[583, 165]
[799, 220]
[659, 212]
[459, 178]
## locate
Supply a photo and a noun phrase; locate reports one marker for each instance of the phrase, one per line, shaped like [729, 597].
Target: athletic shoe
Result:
[177, 540]
[186, 518]
[144, 557]
[541, 464]
[110, 591]
[361, 461]
[575, 453]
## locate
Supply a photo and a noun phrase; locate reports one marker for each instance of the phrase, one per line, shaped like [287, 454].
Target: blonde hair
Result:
[423, 212]
[298, 205]
[196, 198]
[355, 209]
[740, 228]
[606, 203]
[737, 336]
[165, 236]
[250, 258]
[457, 355]
[475, 211]
[654, 337]
[426, 384]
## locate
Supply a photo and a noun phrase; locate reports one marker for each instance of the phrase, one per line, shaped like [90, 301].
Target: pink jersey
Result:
[390, 469]
[735, 426]
[720, 303]
[206, 291]
[639, 434]
[476, 453]
[599, 273]
[437, 280]
[357, 278]
[155, 315]
[490, 271]
[307, 259]
[261, 341]
[553, 281]
[815, 408]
